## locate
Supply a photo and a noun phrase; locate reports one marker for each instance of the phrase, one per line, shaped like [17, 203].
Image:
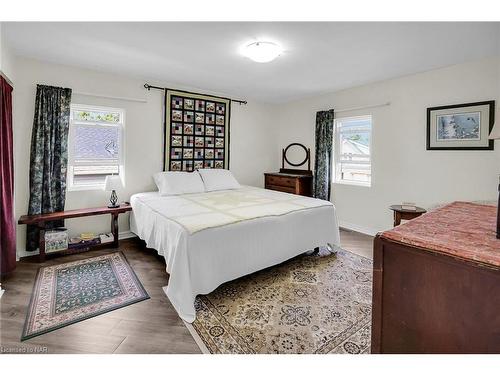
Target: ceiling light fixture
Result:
[262, 52]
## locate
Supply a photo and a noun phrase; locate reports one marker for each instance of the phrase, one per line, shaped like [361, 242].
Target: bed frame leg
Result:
[332, 249]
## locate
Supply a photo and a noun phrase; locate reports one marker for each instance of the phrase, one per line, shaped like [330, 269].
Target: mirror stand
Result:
[307, 160]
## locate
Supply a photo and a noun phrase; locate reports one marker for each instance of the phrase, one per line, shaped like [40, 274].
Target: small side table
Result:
[400, 214]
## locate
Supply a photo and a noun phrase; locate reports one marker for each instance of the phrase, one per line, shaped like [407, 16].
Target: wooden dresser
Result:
[436, 283]
[294, 183]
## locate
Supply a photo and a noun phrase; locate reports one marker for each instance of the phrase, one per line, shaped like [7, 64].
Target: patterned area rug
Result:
[71, 292]
[310, 304]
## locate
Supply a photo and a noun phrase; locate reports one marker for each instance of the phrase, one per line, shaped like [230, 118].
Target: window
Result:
[95, 146]
[352, 150]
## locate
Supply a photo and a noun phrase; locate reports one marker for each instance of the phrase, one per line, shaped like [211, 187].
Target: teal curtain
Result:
[323, 156]
[49, 156]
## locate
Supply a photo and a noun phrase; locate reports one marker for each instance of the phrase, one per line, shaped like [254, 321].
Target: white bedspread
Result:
[252, 229]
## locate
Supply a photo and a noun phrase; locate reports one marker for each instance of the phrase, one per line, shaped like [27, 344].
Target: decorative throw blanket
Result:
[196, 212]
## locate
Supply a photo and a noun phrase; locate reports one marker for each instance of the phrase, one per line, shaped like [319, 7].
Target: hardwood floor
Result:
[357, 243]
[150, 326]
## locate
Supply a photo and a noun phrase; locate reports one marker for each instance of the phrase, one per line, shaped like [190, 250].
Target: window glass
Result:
[352, 150]
[95, 146]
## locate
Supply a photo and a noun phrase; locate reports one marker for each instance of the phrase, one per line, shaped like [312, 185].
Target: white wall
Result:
[250, 141]
[1, 44]
[402, 168]
[6, 56]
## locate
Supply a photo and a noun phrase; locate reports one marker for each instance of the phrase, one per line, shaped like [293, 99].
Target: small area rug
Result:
[310, 304]
[71, 292]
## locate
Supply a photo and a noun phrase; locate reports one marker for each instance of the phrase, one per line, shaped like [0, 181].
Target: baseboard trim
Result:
[358, 228]
[121, 236]
[125, 235]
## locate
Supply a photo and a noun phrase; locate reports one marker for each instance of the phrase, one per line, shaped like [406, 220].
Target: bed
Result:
[213, 237]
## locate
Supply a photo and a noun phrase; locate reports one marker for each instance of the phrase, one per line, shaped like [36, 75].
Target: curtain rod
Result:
[6, 78]
[110, 97]
[149, 87]
[363, 107]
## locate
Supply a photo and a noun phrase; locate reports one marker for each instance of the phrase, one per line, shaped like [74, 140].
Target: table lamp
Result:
[112, 184]
[495, 134]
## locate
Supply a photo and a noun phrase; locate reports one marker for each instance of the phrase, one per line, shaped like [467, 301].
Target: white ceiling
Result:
[318, 58]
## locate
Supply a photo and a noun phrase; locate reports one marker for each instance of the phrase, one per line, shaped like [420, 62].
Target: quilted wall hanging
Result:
[196, 131]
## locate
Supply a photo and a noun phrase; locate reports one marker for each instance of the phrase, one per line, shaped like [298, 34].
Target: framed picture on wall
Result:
[461, 126]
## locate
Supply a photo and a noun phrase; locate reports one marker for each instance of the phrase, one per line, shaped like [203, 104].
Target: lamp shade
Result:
[113, 182]
[495, 132]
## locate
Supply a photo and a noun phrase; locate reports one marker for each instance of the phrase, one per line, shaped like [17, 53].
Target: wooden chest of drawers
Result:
[289, 183]
[436, 283]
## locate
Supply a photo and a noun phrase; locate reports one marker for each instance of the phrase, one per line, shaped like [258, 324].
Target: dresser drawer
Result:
[285, 189]
[280, 181]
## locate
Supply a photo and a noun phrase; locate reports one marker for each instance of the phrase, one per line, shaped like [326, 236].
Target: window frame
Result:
[121, 154]
[336, 152]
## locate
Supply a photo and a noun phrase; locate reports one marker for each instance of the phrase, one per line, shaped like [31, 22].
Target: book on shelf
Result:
[85, 240]
[83, 243]
[106, 237]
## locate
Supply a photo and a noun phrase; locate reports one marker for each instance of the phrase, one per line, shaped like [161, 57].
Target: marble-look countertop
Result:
[461, 229]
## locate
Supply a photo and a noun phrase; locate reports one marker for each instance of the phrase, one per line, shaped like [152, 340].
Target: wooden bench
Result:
[40, 222]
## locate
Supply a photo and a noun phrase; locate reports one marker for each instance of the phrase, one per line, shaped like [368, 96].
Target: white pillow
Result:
[175, 183]
[218, 179]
